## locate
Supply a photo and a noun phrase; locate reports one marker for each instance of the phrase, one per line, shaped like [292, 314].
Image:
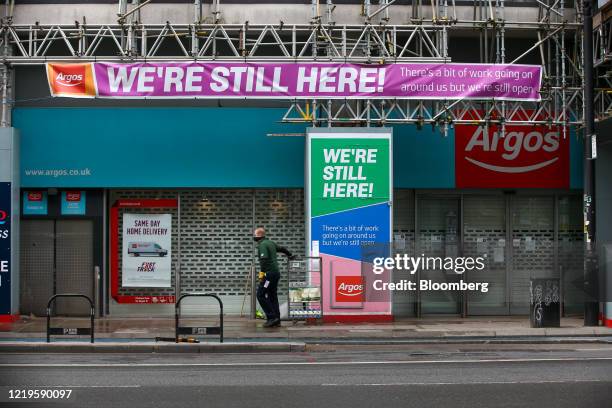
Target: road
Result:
[576, 376]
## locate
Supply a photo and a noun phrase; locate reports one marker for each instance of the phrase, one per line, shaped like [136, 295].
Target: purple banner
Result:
[309, 80]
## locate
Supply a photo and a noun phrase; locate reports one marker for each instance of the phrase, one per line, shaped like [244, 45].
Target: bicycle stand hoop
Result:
[70, 331]
[200, 331]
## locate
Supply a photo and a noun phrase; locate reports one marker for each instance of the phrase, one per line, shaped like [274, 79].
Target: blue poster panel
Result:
[74, 202]
[35, 202]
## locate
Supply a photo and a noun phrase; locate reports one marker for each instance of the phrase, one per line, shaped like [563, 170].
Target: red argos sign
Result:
[71, 80]
[35, 196]
[350, 289]
[73, 196]
[526, 157]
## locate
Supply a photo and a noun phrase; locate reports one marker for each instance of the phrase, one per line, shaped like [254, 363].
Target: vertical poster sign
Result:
[35, 202]
[146, 250]
[348, 195]
[74, 203]
[5, 248]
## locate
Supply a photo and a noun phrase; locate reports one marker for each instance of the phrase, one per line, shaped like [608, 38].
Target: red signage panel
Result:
[35, 196]
[525, 157]
[350, 289]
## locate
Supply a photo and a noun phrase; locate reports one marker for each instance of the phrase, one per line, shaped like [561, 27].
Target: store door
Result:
[56, 257]
[485, 235]
[37, 265]
[438, 236]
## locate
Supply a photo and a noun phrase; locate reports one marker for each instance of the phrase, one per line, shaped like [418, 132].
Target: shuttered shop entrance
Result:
[217, 248]
[56, 257]
[522, 235]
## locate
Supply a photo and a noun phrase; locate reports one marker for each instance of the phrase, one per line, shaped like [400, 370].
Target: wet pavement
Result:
[244, 328]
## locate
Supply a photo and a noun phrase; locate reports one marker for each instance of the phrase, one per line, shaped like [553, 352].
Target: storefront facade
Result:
[231, 169]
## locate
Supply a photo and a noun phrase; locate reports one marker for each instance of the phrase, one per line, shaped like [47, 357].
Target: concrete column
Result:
[9, 224]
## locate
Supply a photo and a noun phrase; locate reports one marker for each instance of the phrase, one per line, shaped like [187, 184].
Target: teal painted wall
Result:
[203, 147]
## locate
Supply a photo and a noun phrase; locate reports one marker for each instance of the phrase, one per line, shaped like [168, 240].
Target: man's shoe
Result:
[276, 323]
[269, 323]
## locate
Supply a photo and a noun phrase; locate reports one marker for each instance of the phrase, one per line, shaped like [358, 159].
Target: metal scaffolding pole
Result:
[6, 71]
[591, 281]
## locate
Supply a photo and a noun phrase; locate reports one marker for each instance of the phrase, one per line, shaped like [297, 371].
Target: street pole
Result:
[591, 283]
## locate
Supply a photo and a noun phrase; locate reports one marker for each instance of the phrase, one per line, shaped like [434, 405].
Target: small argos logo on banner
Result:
[3, 217]
[71, 80]
[526, 156]
[350, 289]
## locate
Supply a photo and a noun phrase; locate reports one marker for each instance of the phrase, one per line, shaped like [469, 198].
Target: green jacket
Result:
[266, 252]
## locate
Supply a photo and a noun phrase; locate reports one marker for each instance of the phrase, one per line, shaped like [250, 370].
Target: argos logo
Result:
[74, 80]
[69, 79]
[526, 156]
[350, 289]
[511, 146]
[35, 196]
[73, 196]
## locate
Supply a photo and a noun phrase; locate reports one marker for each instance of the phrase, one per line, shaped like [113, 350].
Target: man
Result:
[269, 276]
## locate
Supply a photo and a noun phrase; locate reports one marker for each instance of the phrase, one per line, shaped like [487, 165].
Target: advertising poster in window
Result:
[146, 252]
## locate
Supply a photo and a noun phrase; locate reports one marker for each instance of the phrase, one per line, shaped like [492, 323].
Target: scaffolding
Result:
[554, 36]
[602, 56]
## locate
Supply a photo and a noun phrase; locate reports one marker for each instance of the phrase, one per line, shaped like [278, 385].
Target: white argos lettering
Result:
[350, 289]
[69, 79]
[512, 145]
[551, 141]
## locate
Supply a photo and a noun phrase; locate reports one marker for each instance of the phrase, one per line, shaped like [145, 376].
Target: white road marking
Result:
[304, 363]
[464, 383]
[78, 386]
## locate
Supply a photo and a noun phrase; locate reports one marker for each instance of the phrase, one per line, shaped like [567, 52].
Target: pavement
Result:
[246, 335]
[433, 375]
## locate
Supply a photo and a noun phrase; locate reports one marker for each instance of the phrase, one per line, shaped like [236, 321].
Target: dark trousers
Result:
[268, 296]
